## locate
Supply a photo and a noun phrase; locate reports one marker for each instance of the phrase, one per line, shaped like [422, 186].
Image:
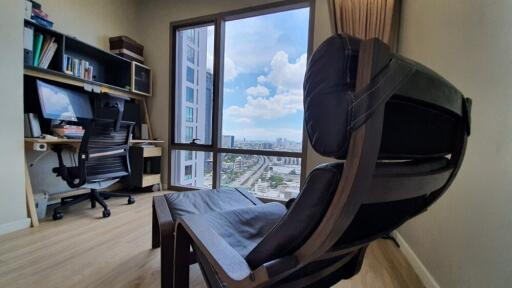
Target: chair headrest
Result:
[421, 108]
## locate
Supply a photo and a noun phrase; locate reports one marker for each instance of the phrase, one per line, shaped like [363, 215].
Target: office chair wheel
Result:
[106, 213]
[131, 200]
[57, 215]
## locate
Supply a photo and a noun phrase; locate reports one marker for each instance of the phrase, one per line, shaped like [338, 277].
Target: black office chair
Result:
[400, 131]
[102, 160]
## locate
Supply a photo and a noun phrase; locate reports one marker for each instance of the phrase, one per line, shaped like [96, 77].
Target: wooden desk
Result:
[61, 141]
[31, 207]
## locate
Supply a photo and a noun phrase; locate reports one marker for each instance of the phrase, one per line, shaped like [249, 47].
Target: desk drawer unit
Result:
[145, 164]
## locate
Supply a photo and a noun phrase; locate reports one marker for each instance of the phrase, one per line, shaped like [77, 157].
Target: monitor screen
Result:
[63, 104]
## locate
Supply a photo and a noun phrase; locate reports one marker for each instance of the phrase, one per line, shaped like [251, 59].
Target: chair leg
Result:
[114, 194]
[57, 212]
[73, 202]
[181, 258]
[131, 200]
[155, 235]
[100, 200]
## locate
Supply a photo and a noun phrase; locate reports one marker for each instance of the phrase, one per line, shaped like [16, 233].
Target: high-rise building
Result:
[228, 141]
[194, 90]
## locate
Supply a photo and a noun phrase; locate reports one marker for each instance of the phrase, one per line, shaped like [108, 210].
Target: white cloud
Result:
[250, 42]
[230, 69]
[287, 78]
[257, 91]
[277, 106]
[286, 75]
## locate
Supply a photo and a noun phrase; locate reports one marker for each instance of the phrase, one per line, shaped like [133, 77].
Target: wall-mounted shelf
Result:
[75, 81]
[111, 72]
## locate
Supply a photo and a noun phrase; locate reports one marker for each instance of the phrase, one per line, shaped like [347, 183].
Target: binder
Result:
[28, 44]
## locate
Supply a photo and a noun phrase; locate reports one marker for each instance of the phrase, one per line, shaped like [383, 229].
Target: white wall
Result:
[93, 21]
[465, 239]
[12, 179]
[155, 17]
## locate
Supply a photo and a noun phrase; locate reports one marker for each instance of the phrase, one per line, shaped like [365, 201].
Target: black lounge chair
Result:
[400, 131]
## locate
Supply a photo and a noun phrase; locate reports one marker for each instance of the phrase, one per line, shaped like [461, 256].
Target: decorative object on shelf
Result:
[36, 14]
[141, 79]
[127, 48]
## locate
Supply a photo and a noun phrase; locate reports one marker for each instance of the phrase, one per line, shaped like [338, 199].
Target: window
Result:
[190, 95]
[191, 36]
[190, 75]
[189, 115]
[188, 172]
[257, 140]
[188, 155]
[191, 55]
[189, 134]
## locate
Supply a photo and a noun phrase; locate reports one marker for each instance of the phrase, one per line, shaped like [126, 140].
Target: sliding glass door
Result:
[236, 109]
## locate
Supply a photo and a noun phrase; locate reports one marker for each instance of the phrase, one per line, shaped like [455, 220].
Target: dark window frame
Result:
[215, 147]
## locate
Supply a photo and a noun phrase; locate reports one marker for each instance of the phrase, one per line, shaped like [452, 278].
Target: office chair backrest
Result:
[401, 130]
[104, 152]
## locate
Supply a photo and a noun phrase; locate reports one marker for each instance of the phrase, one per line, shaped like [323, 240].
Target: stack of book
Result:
[44, 49]
[37, 14]
[69, 131]
[78, 67]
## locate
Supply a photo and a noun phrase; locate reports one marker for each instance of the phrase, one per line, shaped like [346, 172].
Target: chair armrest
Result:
[163, 217]
[230, 266]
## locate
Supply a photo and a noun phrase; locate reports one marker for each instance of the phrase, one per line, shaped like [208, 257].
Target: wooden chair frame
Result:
[176, 239]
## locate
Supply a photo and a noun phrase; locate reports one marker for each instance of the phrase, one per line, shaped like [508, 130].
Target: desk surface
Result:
[71, 141]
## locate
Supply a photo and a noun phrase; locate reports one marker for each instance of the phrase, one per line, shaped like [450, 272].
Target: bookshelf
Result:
[110, 72]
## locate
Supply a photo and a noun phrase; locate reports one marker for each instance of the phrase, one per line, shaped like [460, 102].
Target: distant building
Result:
[239, 163]
[228, 141]
[266, 146]
[195, 91]
[261, 187]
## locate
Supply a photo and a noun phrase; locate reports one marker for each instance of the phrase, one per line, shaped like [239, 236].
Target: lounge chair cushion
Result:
[209, 201]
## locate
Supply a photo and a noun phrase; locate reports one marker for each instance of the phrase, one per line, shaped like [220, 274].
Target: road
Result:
[252, 174]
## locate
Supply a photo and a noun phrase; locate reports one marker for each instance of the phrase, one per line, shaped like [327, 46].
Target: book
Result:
[28, 44]
[46, 45]
[38, 42]
[41, 21]
[68, 62]
[39, 13]
[49, 55]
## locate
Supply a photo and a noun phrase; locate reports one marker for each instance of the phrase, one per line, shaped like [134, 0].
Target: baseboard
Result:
[14, 226]
[416, 264]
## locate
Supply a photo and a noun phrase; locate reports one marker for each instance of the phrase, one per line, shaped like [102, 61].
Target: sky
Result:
[264, 64]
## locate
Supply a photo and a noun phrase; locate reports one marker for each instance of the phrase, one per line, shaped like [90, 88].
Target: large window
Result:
[246, 93]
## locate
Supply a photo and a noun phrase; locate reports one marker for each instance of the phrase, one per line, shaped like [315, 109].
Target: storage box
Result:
[127, 48]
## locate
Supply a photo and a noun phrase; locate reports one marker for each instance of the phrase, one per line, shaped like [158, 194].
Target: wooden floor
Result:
[83, 250]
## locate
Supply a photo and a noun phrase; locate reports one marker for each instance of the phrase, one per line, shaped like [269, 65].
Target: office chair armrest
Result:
[230, 266]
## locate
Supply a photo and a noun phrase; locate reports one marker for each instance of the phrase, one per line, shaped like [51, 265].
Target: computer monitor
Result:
[64, 104]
